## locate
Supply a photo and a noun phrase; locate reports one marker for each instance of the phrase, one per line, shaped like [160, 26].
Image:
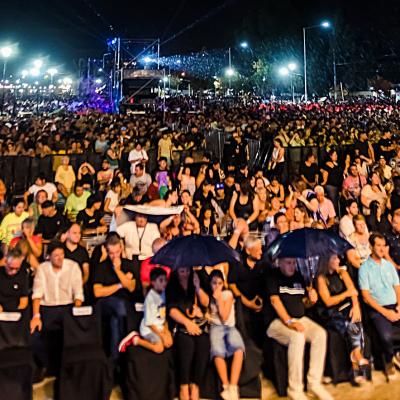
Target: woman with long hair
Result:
[191, 339]
[339, 309]
[301, 218]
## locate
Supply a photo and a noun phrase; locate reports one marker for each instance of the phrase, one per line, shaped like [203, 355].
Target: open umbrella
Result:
[195, 251]
[307, 246]
[307, 242]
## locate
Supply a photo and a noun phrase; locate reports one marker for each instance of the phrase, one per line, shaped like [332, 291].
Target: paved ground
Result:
[377, 390]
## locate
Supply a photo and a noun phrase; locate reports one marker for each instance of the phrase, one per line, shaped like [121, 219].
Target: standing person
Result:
[225, 339]
[11, 226]
[192, 342]
[111, 202]
[164, 148]
[154, 333]
[332, 178]
[380, 289]
[140, 179]
[309, 171]
[290, 327]
[137, 156]
[277, 162]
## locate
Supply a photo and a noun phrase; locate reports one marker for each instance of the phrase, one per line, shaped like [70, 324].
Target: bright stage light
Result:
[52, 71]
[244, 45]
[292, 66]
[6, 51]
[283, 71]
[38, 63]
[230, 72]
[98, 81]
[325, 24]
[34, 71]
[165, 79]
[67, 81]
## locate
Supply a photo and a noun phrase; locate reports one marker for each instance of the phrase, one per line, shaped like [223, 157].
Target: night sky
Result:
[68, 30]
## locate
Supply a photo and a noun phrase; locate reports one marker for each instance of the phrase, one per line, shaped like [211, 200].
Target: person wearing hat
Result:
[50, 222]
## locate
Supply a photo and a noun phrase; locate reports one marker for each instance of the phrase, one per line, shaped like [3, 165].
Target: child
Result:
[162, 176]
[225, 339]
[154, 333]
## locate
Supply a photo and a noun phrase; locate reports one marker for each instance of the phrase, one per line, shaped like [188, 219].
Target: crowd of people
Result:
[161, 160]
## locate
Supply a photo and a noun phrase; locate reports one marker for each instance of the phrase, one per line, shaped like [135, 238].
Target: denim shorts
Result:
[225, 340]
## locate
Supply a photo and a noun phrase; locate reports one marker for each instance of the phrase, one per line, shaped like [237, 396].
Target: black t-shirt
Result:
[310, 172]
[362, 148]
[12, 288]
[385, 143]
[105, 275]
[249, 281]
[203, 200]
[89, 221]
[290, 290]
[50, 226]
[79, 255]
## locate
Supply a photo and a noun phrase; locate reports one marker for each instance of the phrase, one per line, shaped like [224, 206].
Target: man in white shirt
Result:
[346, 225]
[139, 236]
[56, 287]
[140, 179]
[41, 184]
[137, 156]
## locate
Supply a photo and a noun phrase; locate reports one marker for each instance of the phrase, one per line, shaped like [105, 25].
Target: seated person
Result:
[116, 285]
[380, 289]
[50, 222]
[225, 339]
[339, 310]
[146, 267]
[290, 327]
[91, 218]
[154, 333]
[76, 201]
[14, 283]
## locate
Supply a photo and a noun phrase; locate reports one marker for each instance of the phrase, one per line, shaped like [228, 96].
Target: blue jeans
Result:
[225, 341]
[115, 310]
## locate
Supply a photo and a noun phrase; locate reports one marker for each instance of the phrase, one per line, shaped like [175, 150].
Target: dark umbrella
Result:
[195, 251]
[307, 243]
[307, 246]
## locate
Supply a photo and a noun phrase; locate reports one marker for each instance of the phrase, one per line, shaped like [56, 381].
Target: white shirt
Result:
[346, 227]
[48, 187]
[114, 201]
[58, 287]
[135, 155]
[138, 241]
[214, 316]
[154, 312]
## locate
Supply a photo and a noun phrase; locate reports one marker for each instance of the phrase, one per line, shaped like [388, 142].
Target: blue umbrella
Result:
[195, 251]
[307, 243]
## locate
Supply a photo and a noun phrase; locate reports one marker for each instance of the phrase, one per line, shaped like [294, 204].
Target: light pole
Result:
[290, 70]
[52, 72]
[5, 53]
[325, 25]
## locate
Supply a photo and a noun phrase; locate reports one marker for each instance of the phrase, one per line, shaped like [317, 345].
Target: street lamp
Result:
[38, 63]
[323, 24]
[244, 45]
[290, 70]
[5, 53]
[52, 71]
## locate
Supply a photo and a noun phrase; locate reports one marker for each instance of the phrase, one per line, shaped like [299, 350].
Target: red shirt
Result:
[36, 239]
[147, 267]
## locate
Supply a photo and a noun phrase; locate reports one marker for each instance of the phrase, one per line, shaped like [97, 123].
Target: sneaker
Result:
[320, 393]
[130, 340]
[226, 393]
[396, 360]
[234, 392]
[390, 371]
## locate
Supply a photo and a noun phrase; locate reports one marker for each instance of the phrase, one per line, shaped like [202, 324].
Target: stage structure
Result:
[135, 76]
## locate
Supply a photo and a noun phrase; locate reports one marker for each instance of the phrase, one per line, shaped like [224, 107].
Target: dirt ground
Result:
[379, 389]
